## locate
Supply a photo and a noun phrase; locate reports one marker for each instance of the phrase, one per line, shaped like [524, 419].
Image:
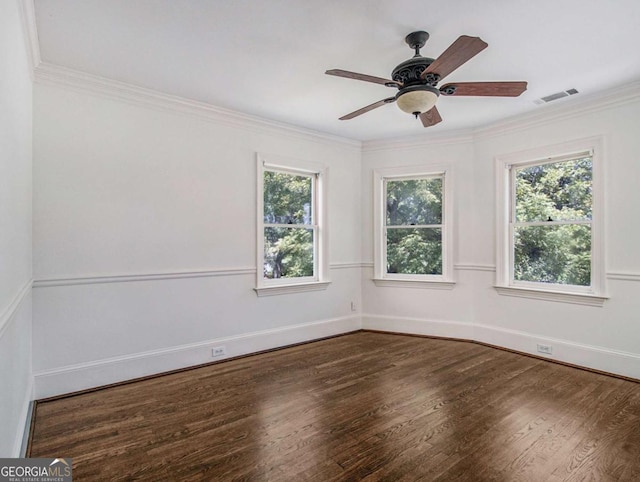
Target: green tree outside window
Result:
[552, 222]
[288, 225]
[413, 226]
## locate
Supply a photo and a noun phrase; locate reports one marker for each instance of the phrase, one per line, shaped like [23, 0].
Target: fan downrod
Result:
[416, 40]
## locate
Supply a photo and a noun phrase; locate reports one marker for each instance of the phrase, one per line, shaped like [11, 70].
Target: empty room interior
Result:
[321, 240]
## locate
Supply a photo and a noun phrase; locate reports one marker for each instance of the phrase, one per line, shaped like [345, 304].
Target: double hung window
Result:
[413, 227]
[550, 231]
[551, 219]
[291, 224]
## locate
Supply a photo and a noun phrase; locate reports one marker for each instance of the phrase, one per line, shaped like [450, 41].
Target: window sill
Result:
[291, 288]
[410, 283]
[547, 295]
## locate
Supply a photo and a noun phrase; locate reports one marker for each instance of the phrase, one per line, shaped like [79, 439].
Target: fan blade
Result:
[458, 53]
[366, 78]
[490, 89]
[375, 105]
[431, 117]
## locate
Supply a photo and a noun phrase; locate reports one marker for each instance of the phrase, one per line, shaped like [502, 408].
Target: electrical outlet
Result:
[353, 306]
[218, 351]
[546, 349]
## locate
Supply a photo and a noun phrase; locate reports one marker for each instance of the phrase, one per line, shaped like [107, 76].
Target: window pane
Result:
[553, 254]
[415, 201]
[288, 252]
[559, 191]
[414, 251]
[287, 198]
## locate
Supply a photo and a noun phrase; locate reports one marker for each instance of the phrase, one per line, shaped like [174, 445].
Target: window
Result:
[412, 228]
[551, 224]
[291, 227]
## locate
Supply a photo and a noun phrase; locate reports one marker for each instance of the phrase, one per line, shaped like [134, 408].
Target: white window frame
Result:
[319, 175]
[380, 178]
[593, 295]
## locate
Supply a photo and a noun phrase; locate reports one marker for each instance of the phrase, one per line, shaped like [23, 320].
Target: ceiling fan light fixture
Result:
[416, 79]
[417, 99]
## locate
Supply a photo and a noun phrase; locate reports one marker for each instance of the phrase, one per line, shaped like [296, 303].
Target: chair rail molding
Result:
[123, 278]
[12, 308]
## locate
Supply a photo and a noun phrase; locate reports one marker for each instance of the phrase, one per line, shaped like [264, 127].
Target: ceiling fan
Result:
[416, 79]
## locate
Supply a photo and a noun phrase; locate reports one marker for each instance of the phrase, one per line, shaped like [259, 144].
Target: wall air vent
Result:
[556, 96]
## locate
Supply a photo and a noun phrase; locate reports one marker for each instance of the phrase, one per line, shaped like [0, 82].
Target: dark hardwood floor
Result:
[361, 406]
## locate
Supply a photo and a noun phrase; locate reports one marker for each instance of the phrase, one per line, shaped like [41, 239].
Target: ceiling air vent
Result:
[556, 96]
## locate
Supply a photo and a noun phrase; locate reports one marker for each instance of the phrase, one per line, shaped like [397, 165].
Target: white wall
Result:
[144, 236]
[15, 229]
[123, 189]
[605, 338]
[592, 336]
[434, 305]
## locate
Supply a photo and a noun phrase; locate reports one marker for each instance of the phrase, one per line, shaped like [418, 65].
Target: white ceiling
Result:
[268, 57]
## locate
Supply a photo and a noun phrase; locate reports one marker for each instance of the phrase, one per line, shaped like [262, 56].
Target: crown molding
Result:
[50, 74]
[566, 110]
[30, 31]
[457, 137]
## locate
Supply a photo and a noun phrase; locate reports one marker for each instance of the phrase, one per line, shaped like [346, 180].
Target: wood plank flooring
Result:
[364, 406]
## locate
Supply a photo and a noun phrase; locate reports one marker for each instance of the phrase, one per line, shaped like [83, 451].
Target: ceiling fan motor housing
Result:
[408, 72]
[417, 95]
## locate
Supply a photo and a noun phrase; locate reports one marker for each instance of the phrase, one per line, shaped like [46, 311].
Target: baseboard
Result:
[69, 379]
[85, 376]
[418, 326]
[595, 358]
[24, 423]
[598, 359]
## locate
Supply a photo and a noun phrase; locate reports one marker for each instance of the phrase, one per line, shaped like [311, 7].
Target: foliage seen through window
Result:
[552, 225]
[413, 226]
[289, 231]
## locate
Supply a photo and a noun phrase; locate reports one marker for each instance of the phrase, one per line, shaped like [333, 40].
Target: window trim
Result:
[593, 295]
[319, 174]
[383, 279]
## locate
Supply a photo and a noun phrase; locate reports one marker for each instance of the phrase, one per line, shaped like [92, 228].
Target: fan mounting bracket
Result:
[416, 40]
